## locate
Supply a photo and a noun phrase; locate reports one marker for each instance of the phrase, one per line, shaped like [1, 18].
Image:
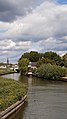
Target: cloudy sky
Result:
[27, 25]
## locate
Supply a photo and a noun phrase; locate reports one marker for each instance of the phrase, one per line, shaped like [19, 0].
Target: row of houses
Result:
[9, 66]
[14, 67]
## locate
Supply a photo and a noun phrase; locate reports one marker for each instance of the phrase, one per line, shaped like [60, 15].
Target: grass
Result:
[3, 71]
[10, 92]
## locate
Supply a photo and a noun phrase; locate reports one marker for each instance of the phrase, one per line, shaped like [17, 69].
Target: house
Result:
[3, 67]
[15, 67]
[32, 65]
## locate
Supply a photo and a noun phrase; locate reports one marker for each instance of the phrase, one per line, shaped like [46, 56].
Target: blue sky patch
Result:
[62, 1]
[3, 30]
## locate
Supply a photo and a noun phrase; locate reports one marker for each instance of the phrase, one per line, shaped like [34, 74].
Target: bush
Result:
[49, 71]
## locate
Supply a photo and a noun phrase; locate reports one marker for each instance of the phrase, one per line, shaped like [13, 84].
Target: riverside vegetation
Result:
[49, 64]
[10, 92]
[3, 71]
[48, 71]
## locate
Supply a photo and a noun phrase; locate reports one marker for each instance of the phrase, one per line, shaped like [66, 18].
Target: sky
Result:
[32, 25]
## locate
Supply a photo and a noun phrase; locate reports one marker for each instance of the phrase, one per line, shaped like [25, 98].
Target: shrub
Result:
[49, 71]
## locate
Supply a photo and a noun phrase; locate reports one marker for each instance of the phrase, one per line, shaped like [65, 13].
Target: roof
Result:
[33, 63]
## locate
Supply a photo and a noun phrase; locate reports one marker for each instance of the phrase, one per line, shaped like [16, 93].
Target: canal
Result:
[46, 99]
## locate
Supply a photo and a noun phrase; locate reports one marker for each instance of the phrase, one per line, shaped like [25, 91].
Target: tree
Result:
[65, 60]
[45, 61]
[25, 55]
[23, 65]
[32, 56]
[53, 56]
[49, 57]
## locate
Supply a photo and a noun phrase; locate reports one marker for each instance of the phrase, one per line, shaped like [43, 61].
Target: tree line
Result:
[41, 58]
[47, 57]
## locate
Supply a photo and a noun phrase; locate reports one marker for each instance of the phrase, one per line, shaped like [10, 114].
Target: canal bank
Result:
[13, 108]
[4, 72]
[46, 99]
[11, 91]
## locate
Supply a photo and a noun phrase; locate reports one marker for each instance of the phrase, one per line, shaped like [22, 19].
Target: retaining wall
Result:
[12, 108]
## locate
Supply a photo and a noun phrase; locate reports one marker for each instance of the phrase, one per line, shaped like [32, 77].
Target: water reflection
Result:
[29, 81]
[23, 79]
[18, 114]
[12, 76]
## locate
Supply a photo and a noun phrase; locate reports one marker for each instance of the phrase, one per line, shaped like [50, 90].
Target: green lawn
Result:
[10, 92]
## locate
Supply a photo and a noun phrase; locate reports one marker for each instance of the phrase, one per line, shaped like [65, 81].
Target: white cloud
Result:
[44, 29]
[23, 45]
[47, 20]
[6, 44]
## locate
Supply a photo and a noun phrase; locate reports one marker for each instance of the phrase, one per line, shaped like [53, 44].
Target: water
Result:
[46, 99]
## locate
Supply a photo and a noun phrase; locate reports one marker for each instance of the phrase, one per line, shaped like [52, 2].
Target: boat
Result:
[29, 73]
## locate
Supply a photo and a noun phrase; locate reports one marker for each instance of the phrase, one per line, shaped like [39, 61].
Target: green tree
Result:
[65, 60]
[32, 56]
[25, 55]
[23, 65]
[49, 57]
[45, 61]
[53, 56]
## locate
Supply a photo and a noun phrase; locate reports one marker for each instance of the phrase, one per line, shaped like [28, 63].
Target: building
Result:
[7, 61]
[32, 65]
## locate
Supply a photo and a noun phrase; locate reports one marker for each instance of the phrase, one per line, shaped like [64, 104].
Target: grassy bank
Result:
[3, 72]
[10, 92]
